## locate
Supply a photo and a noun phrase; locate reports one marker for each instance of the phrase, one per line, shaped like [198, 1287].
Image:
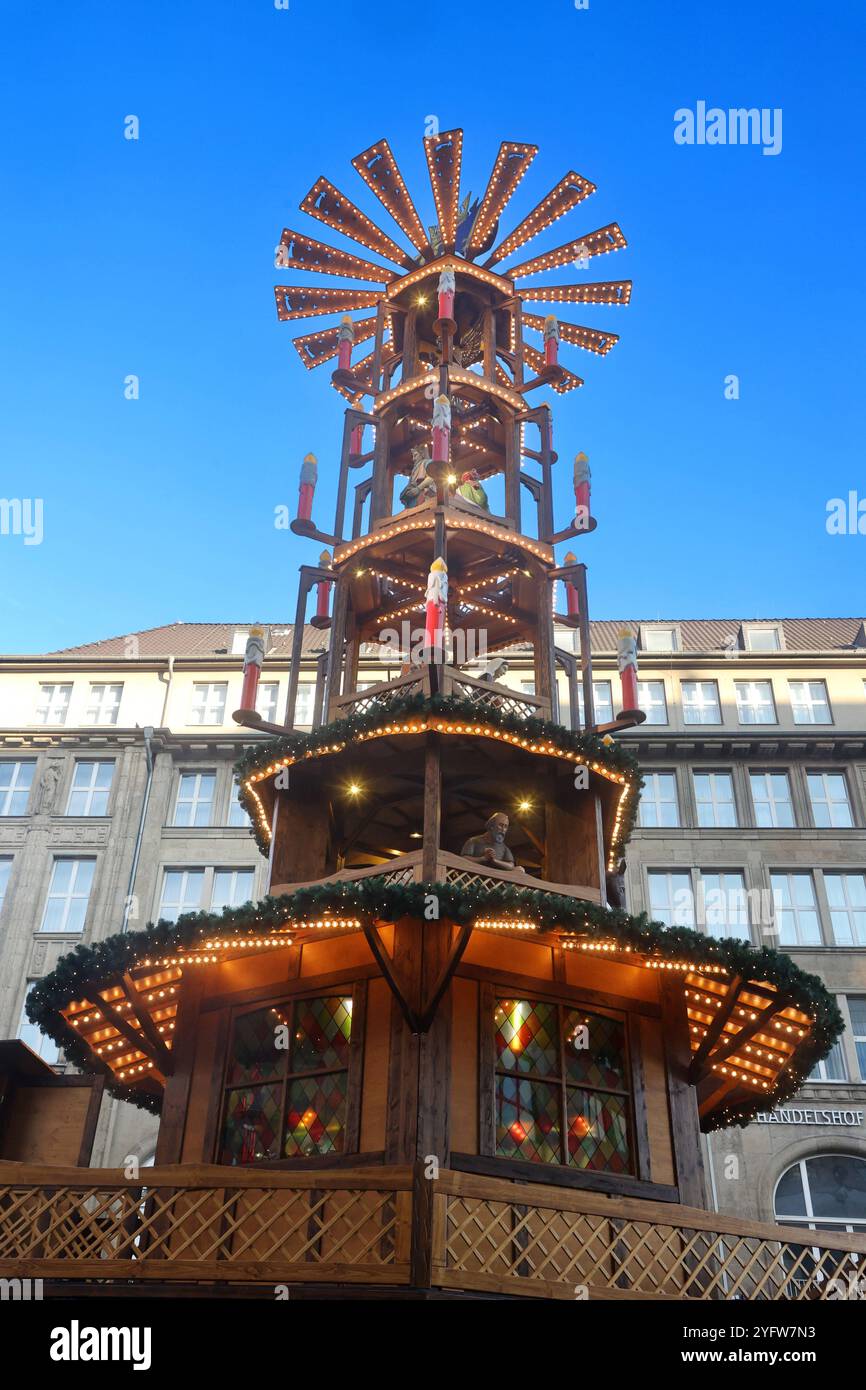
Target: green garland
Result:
[92, 967]
[590, 747]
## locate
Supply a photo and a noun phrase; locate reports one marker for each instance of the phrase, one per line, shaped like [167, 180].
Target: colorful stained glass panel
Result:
[251, 1129]
[526, 1037]
[321, 1032]
[597, 1131]
[527, 1120]
[316, 1118]
[594, 1049]
[256, 1055]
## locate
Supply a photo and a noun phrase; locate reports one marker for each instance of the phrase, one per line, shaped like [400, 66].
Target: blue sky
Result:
[155, 257]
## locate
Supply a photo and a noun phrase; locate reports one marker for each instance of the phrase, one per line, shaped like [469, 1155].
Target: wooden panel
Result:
[261, 968]
[464, 1070]
[302, 842]
[374, 1100]
[685, 1124]
[46, 1123]
[205, 1065]
[338, 953]
[583, 969]
[509, 953]
[658, 1115]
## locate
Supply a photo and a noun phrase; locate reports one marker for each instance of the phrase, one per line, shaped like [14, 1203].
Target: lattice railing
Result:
[390, 1227]
[555, 1245]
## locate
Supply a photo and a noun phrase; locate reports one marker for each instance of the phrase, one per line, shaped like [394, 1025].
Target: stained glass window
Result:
[287, 1081]
[562, 1086]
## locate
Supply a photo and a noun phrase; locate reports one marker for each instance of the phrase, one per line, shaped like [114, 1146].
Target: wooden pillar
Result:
[338, 636]
[585, 649]
[432, 808]
[543, 649]
[489, 343]
[682, 1097]
[297, 644]
[172, 1122]
[376, 371]
[518, 342]
[544, 425]
[512, 470]
[380, 498]
[410, 344]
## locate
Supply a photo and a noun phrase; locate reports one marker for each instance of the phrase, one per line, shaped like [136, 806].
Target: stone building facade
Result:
[117, 806]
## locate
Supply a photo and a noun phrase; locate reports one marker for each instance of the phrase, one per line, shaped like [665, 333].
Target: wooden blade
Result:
[604, 292]
[332, 207]
[511, 164]
[591, 339]
[444, 153]
[566, 195]
[316, 348]
[595, 243]
[305, 253]
[308, 302]
[562, 384]
[380, 172]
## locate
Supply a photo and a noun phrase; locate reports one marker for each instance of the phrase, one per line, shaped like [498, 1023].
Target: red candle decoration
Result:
[551, 341]
[582, 477]
[309, 476]
[446, 294]
[571, 595]
[627, 663]
[356, 441]
[441, 429]
[437, 599]
[254, 656]
[345, 339]
[323, 588]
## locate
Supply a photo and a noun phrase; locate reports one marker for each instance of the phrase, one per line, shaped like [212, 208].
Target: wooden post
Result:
[338, 635]
[512, 470]
[544, 426]
[380, 497]
[410, 345]
[489, 343]
[682, 1098]
[376, 370]
[585, 649]
[432, 808]
[297, 644]
[544, 676]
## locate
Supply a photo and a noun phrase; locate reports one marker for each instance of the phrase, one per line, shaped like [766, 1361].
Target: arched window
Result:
[824, 1193]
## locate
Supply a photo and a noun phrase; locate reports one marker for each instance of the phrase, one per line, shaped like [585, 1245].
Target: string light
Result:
[565, 195]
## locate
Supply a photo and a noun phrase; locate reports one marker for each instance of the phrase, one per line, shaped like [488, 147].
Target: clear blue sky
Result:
[155, 258]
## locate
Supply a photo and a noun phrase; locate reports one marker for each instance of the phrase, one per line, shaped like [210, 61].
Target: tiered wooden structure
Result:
[430, 1121]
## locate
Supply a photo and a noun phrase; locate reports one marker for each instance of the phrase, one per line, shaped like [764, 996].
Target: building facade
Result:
[118, 806]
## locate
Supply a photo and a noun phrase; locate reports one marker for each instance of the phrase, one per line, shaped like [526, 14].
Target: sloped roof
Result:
[697, 635]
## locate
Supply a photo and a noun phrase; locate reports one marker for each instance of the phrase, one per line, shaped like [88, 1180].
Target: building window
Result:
[658, 801]
[796, 910]
[714, 797]
[671, 898]
[701, 702]
[90, 790]
[825, 1193]
[562, 1087]
[304, 705]
[832, 1067]
[658, 639]
[831, 805]
[724, 904]
[237, 814]
[809, 702]
[763, 639]
[771, 794]
[36, 1040]
[208, 703]
[5, 874]
[181, 892]
[53, 705]
[266, 700]
[16, 779]
[287, 1081]
[755, 703]
[194, 798]
[232, 888]
[103, 705]
[846, 894]
[651, 699]
[857, 1011]
[601, 698]
[68, 895]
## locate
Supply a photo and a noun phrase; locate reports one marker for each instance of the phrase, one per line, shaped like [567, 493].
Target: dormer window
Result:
[762, 638]
[659, 639]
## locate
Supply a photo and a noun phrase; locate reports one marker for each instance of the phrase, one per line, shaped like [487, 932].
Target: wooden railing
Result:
[450, 868]
[450, 682]
[389, 1227]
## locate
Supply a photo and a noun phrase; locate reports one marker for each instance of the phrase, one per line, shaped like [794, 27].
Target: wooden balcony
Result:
[388, 1229]
[451, 681]
[450, 868]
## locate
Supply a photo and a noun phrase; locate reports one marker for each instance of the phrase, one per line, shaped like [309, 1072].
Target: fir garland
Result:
[90, 968]
[589, 747]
